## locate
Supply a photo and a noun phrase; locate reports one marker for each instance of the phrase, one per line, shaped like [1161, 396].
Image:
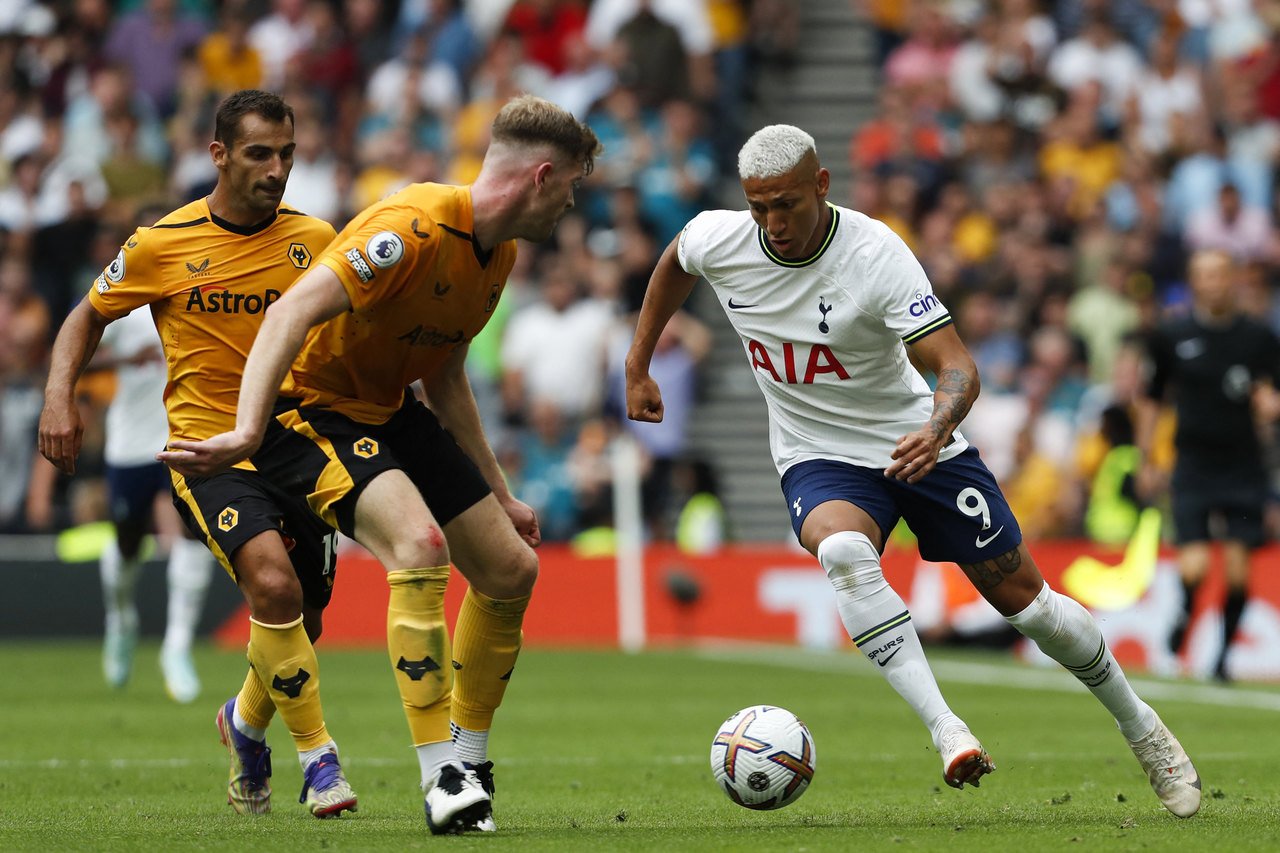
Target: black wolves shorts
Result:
[228, 509]
[328, 459]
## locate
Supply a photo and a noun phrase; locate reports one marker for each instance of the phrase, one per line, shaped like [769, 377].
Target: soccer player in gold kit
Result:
[208, 271]
[397, 298]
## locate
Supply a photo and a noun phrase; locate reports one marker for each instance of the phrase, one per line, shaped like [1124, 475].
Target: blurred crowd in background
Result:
[1052, 164]
[106, 113]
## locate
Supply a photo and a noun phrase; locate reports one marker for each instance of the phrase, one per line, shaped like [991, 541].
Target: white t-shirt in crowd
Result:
[561, 354]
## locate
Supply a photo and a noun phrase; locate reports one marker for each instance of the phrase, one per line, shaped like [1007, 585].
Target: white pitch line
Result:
[1012, 675]
[78, 764]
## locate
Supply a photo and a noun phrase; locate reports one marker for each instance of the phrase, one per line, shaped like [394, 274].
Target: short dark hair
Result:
[226, 124]
[529, 121]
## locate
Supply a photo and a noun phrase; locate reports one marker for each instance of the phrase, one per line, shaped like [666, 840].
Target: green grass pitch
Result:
[606, 751]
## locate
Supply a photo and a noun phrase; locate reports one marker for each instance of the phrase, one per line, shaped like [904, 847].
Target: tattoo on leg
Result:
[991, 573]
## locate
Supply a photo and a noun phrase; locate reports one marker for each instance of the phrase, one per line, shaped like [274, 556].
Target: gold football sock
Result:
[418, 645]
[254, 703]
[486, 643]
[286, 663]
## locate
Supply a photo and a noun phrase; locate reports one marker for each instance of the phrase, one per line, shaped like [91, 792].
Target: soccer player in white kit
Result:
[832, 309]
[138, 492]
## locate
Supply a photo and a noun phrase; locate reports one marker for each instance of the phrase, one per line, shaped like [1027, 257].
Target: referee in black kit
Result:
[1218, 368]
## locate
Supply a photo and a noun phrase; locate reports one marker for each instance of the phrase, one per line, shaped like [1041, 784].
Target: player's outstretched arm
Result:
[316, 297]
[669, 287]
[945, 355]
[61, 430]
[450, 397]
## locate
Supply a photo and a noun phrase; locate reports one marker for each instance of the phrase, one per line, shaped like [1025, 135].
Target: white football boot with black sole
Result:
[457, 803]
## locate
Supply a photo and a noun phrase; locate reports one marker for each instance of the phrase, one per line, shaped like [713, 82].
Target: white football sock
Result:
[189, 570]
[307, 756]
[432, 758]
[243, 727]
[472, 745]
[880, 625]
[119, 579]
[1065, 631]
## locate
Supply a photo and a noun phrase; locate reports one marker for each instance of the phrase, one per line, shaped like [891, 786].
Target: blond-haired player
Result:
[396, 299]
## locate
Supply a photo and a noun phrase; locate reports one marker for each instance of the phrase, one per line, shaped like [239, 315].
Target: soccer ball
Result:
[763, 757]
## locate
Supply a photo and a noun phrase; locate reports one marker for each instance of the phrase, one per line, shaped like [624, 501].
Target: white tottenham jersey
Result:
[137, 426]
[825, 335]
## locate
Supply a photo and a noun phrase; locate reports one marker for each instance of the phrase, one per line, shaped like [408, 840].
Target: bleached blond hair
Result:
[774, 150]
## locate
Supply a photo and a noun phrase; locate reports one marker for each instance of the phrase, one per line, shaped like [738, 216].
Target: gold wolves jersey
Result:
[419, 285]
[208, 283]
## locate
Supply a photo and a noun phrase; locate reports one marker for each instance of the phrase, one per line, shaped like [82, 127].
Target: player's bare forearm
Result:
[278, 343]
[952, 399]
[60, 430]
[450, 397]
[669, 287]
[75, 345]
[942, 354]
[316, 297]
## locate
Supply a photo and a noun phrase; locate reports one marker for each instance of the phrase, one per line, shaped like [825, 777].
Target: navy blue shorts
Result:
[957, 512]
[132, 490]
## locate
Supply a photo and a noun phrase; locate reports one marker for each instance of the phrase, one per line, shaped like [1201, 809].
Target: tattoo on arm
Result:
[953, 397]
[991, 573]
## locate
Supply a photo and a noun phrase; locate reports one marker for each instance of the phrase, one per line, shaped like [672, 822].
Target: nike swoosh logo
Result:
[736, 305]
[884, 660]
[979, 542]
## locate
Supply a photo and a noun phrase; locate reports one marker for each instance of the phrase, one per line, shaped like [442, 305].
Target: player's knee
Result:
[274, 594]
[850, 560]
[517, 575]
[510, 574]
[420, 548]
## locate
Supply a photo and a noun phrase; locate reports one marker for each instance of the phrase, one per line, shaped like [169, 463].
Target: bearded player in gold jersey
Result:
[397, 298]
[208, 272]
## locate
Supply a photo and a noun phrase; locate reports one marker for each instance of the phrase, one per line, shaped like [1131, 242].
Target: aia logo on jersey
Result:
[217, 299]
[925, 302]
[819, 360]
